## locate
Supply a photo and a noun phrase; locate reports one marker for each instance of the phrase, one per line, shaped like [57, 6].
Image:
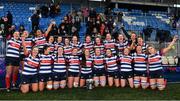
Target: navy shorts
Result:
[140, 73]
[12, 61]
[73, 74]
[59, 76]
[86, 76]
[28, 79]
[45, 77]
[22, 56]
[99, 72]
[156, 74]
[126, 75]
[114, 74]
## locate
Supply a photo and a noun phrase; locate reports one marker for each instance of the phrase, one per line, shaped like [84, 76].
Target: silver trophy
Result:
[89, 84]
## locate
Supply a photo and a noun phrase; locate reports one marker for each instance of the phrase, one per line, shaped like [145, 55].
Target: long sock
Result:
[7, 82]
[165, 82]
[15, 77]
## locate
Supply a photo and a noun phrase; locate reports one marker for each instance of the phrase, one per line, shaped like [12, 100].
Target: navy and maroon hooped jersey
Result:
[111, 63]
[13, 48]
[88, 66]
[31, 66]
[89, 46]
[46, 62]
[110, 45]
[98, 62]
[125, 62]
[79, 46]
[40, 42]
[101, 46]
[121, 46]
[155, 62]
[59, 64]
[28, 43]
[140, 62]
[74, 63]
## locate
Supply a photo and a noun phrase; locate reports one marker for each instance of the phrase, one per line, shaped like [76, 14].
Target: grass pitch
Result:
[108, 93]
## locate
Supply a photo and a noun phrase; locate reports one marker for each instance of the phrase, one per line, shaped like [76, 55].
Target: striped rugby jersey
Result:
[89, 46]
[140, 62]
[28, 43]
[101, 46]
[88, 66]
[52, 47]
[110, 45]
[98, 62]
[67, 50]
[125, 62]
[74, 63]
[58, 45]
[46, 62]
[144, 47]
[121, 46]
[79, 46]
[31, 65]
[40, 42]
[13, 48]
[155, 62]
[111, 63]
[59, 64]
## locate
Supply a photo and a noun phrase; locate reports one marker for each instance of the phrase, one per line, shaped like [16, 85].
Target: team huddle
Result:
[50, 62]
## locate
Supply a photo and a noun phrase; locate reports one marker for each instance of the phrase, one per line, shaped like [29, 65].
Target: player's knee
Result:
[123, 85]
[62, 86]
[35, 89]
[136, 83]
[144, 84]
[117, 85]
[153, 86]
[24, 91]
[56, 86]
[96, 83]
[161, 87]
[103, 83]
[110, 84]
[75, 84]
[49, 87]
[81, 85]
[41, 88]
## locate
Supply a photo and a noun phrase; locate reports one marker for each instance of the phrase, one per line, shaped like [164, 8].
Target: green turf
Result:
[171, 92]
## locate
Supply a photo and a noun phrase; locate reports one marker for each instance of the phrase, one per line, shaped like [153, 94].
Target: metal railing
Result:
[2, 47]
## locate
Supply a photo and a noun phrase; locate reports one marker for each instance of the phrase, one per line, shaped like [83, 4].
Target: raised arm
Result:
[48, 30]
[169, 47]
[26, 52]
[132, 46]
[125, 33]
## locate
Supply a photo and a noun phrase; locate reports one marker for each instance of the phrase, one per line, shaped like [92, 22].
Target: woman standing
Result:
[140, 68]
[99, 69]
[86, 70]
[74, 69]
[99, 44]
[30, 71]
[12, 60]
[59, 70]
[112, 68]
[126, 70]
[109, 43]
[121, 44]
[45, 70]
[155, 65]
[89, 44]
